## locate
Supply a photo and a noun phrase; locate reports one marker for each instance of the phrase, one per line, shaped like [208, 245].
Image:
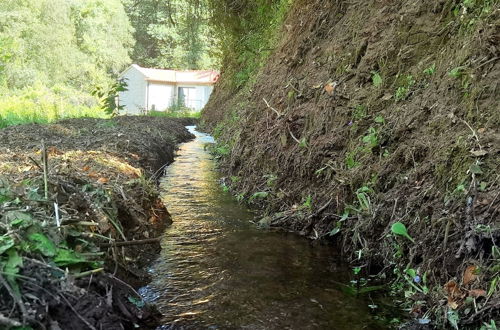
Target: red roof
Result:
[180, 76]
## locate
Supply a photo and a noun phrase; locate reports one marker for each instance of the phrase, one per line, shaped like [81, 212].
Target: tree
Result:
[172, 33]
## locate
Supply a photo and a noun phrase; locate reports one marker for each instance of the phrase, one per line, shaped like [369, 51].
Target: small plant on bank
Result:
[259, 195]
[359, 112]
[430, 70]
[457, 72]
[403, 91]
[399, 228]
[376, 79]
[307, 203]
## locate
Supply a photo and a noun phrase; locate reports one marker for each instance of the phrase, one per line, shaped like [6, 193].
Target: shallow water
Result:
[218, 271]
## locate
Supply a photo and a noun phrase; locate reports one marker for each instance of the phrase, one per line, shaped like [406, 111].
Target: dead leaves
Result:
[456, 294]
[102, 180]
[469, 275]
[330, 88]
[477, 293]
[95, 175]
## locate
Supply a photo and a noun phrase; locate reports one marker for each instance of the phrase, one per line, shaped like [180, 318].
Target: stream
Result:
[217, 270]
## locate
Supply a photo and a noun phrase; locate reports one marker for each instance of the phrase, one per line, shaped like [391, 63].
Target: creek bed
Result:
[218, 271]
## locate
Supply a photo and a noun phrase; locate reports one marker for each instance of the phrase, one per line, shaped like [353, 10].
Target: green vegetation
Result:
[403, 91]
[173, 34]
[60, 58]
[430, 70]
[33, 105]
[247, 31]
[376, 79]
[53, 54]
[399, 228]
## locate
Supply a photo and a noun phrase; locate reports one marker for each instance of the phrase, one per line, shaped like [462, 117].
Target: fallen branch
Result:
[9, 322]
[87, 273]
[270, 107]
[45, 170]
[293, 136]
[129, 243]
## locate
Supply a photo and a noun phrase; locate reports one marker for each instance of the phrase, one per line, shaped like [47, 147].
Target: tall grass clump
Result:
[42, 105]
[175, 111]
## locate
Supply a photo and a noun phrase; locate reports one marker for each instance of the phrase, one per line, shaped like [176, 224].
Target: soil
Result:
[420, 145]
[102, 175]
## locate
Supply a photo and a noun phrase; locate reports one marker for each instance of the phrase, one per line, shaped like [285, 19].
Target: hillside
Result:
[370, 113]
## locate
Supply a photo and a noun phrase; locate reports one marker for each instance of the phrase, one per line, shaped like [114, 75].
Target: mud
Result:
[102, 174]
[421, 146]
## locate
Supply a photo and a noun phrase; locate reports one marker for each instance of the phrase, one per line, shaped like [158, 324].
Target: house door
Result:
[187, 96]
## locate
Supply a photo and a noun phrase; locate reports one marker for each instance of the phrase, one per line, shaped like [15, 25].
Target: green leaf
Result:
[18, 219]
[345, 215]
[400, 229]
[303, 143]
[13, 262]
[43, 244]
[12, 268]
[6, 242]
[380, 120]
[67, 257]
[260, 195]
[139, 303]
[453, 318]
[377, 79]
[412, 272]
[335, 231]
[476, 169]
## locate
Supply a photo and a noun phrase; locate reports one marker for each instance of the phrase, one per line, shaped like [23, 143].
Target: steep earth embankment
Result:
[64, 258]
[371, 113]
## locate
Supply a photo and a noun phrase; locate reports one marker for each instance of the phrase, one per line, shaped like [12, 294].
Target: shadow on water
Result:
[218, 271]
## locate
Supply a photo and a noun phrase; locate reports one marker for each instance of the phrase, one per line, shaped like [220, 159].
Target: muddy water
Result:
[218, 271]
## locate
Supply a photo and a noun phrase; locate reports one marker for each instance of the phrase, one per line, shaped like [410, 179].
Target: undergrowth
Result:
[41, 105]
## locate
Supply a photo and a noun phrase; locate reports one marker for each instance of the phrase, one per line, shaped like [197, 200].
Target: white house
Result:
[156, 89]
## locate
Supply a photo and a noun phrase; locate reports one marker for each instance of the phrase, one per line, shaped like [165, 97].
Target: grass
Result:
[41, 107]
[175, 114]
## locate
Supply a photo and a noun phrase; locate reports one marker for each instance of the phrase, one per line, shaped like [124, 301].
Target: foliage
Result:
[403, 91]
[172, 34]
[247, 31]
[399, 228]
[377, 79]
[108, 98]
[54, 52]
[430, 70]
[40, 104]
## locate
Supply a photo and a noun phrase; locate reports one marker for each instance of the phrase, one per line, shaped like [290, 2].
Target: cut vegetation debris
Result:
[79, 217]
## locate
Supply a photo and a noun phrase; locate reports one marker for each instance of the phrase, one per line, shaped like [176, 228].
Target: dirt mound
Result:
[68, 247]
[374, 113]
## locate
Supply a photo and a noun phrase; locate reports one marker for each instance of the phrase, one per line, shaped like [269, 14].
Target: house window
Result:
[187, 96]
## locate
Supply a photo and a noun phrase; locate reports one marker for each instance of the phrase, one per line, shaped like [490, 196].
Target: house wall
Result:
[200, 98]
[160, 96]
[134, 99]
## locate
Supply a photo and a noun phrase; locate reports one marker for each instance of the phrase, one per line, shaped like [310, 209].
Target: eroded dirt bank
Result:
[369, 113]
[62, 264]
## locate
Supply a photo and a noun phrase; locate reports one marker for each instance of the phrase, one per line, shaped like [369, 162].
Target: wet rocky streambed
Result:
[217, 270]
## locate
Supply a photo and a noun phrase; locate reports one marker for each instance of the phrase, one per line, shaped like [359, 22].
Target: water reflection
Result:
[218, 271]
